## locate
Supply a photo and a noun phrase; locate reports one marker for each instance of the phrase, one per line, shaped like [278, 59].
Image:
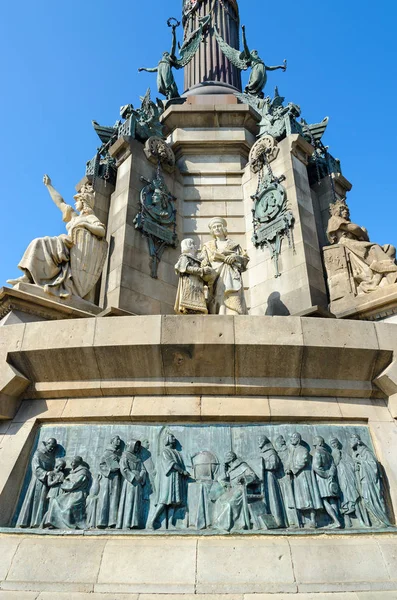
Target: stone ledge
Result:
[172, 355]
[362, 567]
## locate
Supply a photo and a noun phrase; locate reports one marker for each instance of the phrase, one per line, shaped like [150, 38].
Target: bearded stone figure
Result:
[67, 265]
[228, 261]
[373, 266]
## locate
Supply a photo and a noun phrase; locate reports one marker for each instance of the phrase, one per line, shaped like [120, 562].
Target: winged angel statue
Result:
[165, 78]
[244, 60]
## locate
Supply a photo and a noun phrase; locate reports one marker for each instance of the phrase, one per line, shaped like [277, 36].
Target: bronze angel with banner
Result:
[244, 60]
[165, 78]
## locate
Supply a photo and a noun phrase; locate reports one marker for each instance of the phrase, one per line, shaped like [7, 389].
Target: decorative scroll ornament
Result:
[158, 151]
[263, 151]
[157, 218]
[271, 218]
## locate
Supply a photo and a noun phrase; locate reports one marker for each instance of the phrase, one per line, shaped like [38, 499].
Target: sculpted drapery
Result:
[36, 500]
[228, 261]
[68, 264]
[373, 266]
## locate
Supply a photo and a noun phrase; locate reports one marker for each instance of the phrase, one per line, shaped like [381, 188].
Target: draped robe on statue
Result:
[271, 487]
[258, 77]
[231, 508]
[67, 511]
[227, 290]
[110, 488]
[36, 501]
[131, 499]
[305, 488]
[368, 260]
[170, 485]
[370, 484]
[47, 260]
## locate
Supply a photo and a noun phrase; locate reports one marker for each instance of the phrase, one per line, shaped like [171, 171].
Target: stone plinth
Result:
[25, 303]
[173, 370]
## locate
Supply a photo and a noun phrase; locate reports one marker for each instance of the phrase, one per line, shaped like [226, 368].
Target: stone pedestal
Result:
[26, 303]
[203, 370]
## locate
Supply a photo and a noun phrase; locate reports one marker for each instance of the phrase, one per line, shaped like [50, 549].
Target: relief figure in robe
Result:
[68, 510]
[285, 482]
[306, 494]
[36, 500]
[110, 485]
[231, 508]
[47, 261]
[373, 265]
[171, 476]
[350, 496]
[370, 483]
[325, 473]
[130, 515]
[228, 261]
[271, 488]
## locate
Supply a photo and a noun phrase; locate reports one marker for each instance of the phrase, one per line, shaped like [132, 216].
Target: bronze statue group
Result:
[336, 486]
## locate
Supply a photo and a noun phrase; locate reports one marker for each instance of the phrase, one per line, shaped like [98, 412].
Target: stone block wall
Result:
[206, 370]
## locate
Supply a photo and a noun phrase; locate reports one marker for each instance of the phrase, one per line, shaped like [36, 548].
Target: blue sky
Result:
[65, 63]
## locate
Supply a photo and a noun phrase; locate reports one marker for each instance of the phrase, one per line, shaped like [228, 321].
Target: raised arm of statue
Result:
[283, 67]
[247, 51]
[66, 209]
[173, 46]
[148, 70]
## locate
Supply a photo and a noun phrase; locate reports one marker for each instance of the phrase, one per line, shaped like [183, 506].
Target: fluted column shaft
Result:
[209, 63]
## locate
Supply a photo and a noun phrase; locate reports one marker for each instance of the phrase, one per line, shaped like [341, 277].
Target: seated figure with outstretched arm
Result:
[52, 264]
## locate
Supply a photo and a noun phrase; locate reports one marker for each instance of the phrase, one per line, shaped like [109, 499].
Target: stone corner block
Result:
[12, 385]
[387, 380]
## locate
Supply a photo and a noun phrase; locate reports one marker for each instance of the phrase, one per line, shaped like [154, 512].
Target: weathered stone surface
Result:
[149, 566]
[155, 407]
[304, 409]
[98, 408]
[230, 407]
[71, 564]
[261, 567]
[8, 548]
[14, 453]
[321, 566]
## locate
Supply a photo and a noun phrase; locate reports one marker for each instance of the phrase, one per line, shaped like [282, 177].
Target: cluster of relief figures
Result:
[330, 485]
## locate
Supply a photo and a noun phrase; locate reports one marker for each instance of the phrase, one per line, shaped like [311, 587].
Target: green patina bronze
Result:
[165, 78]
[244, 60]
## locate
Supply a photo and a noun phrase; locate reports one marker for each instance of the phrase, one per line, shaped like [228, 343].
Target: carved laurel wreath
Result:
[264, 150]
[158, 151]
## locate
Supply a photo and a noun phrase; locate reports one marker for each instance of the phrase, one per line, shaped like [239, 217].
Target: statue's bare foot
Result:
[23, 279]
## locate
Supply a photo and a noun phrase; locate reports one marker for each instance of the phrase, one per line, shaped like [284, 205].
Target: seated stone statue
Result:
[228, 261]
[190, 298]
[231, 508]
[373, 266]
[69, 264]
